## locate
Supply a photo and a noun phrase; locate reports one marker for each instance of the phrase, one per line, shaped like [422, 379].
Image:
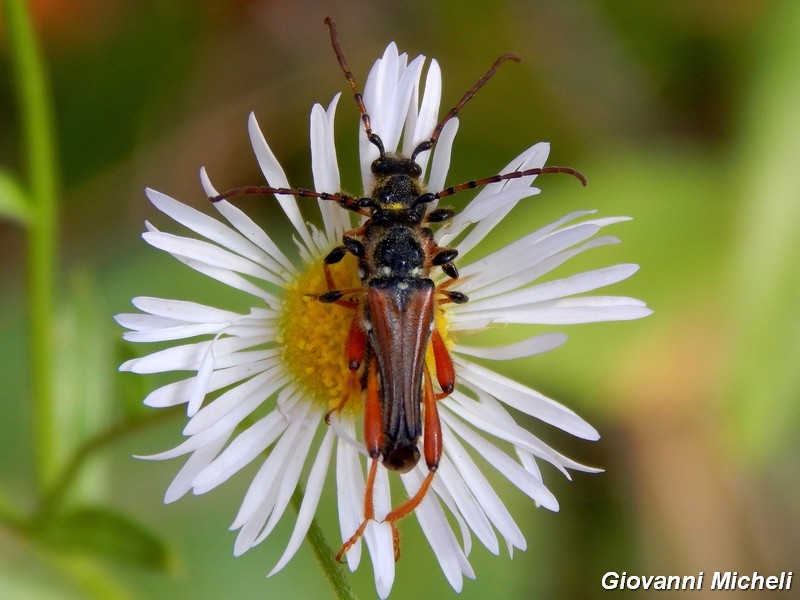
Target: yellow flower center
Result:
[314, 335]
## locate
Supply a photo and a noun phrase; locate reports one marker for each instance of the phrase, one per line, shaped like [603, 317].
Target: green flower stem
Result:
[37, 133]
[324, 554]
[58, 491]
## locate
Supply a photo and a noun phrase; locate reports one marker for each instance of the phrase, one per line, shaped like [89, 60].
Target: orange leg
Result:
[355, 349]
[445, 372]
[373, 434]
[369, 511]
[373, 438]
[433, 453]
[446, 284]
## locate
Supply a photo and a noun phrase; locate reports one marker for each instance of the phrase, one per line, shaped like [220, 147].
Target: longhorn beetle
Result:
[393, 322]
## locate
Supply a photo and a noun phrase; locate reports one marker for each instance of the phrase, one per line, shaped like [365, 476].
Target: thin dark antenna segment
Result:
[428, 144]
[348, 74]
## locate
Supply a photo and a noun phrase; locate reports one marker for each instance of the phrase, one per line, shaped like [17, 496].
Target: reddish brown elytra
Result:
[393, 321]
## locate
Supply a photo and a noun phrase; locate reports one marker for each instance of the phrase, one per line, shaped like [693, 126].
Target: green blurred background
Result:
[682, 114]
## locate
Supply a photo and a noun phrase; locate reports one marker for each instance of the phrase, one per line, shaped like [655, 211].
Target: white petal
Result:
[378, 537]
[429, 108]
[536, 270]
[139, 322]
[188, 357]
[464, 500]
[441, 157]
[408, 82]
[516, 474]
[387, 101]
[420, 128]
[378, 93]
[291, 475]
[440, 536]
[179, 332]
[231, 279]
[212, 229]
[178, 392]
[522, 254]
[349, 493]
[529, 347]
[271, 473]
[209, 254]
[564, 311]
[525, 399]
[225, 276]
[551, 290]
[200, 388]
[495, 421]
[310, 501]
[248, 228]
[346, 434]
[181, 310]
[248, 532]
[276, 177]
[533, 157]
[196, 463]
[325, 168]
[490, 502]
[324, 165]
[502, 202]
[441, 486]
[241, 451]
[236, 403]
[532, 256]
[227, 423]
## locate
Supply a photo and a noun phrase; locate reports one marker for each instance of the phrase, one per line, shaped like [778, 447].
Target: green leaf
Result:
[103, 533]
[14, 204]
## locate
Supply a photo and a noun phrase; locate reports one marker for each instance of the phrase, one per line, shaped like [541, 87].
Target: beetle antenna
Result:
[348, 74]
[428, 144]
[504, 177]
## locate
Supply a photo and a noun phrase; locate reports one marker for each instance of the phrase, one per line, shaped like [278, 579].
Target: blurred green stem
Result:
[37, 134]
[324, 554]
[69, 474]
[764, 381]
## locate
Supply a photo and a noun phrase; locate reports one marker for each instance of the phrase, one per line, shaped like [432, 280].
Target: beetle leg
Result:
[373, 439]
[432, 446]
[452, 295]
[356, 232]
[439, 215]
[444, 257]
[445, 373]
[355, 349]
[333, 295]
[369, 512]
[356, 248]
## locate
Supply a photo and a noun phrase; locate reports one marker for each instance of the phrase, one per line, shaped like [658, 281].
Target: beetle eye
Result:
[379, 166]
[414, 170]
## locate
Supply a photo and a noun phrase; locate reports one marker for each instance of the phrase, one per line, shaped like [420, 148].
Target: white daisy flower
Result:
[261, 382]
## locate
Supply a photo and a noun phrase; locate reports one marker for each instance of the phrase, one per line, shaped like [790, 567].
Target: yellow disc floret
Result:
[314, 334]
